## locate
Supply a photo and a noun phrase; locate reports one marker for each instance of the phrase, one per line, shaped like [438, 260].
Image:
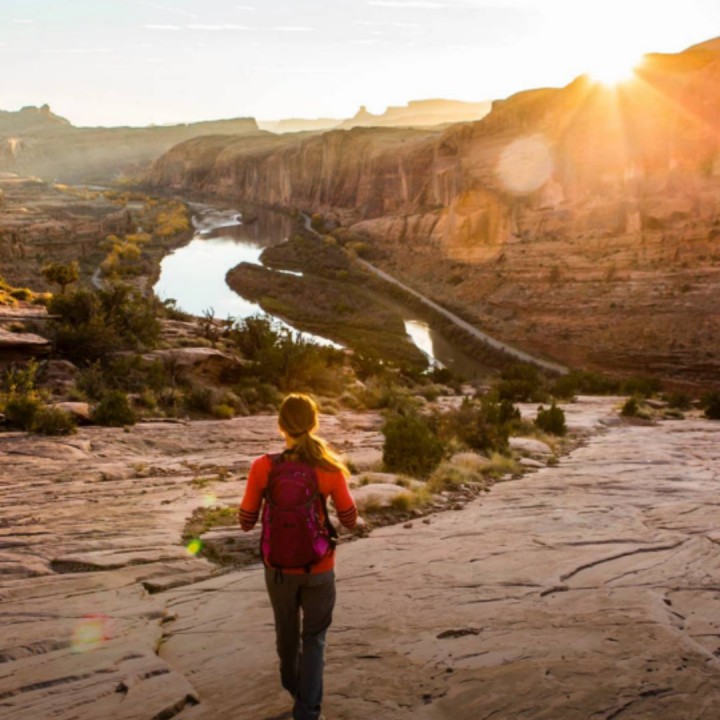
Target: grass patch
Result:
[501, 465]
[203, 519]
[451, 476]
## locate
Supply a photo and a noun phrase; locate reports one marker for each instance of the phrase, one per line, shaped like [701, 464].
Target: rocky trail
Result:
[586, 590]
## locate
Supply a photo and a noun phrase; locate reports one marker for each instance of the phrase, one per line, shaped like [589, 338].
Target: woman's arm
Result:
[344, 502]
[249, 510]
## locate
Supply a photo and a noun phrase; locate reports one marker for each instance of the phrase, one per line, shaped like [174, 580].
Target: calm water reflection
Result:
[194, 276]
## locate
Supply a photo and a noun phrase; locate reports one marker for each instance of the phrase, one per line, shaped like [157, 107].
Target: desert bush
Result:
[451, 475]
[286, 360]
[679, 399]
[256, 395]
[91, 325]
[551, 420]
[62, 274]
[479, 424]
[711, 403]
[114, 410]
[20, 399]
[410, 446]
[222, 411]
[583, 382]
[200, 399]
[54, 421]
[641, 386]
[22, 294]
[630, 407]
[21, 409]
[521, 383]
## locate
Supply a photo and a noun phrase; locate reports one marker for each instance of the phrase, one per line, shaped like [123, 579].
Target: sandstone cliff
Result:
[582, 222]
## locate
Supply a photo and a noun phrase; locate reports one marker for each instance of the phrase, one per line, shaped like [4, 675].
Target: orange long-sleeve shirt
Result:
[330, 484]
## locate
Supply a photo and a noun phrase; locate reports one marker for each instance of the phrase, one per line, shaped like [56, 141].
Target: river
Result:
[194, 276]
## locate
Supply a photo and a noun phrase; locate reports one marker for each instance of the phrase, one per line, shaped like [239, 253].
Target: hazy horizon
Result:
[138, 62]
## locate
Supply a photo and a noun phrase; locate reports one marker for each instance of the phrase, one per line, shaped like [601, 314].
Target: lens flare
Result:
[525, 164]
[194, 547]
[91, 632]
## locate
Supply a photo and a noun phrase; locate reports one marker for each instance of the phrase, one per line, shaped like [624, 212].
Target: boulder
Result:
[201, 363]
[529, 446]
[79, 410]
[530, 463]
[59, 375]
[376, 495]
[20, 346]
[366, 459]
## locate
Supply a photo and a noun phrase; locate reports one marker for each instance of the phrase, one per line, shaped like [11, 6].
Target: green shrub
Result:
[583, 382]
[114, 410]
[22, 294]
[21, 409]
[200, 399]
[410, 446]
[62, 274]
[642, 386]
[90, 325]
[480, 425]
[551, 420]
[521, 383]
[223, 411]
[679, 399]
[711, 403]
[286, 360]
[630, 408]
[54, 421]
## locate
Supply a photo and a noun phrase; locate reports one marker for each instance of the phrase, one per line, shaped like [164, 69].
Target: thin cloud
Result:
[23, 22]
[163, 7]
[161, 27]
[245, 7]
[297, 70]
[412, 4]
[216, 28]
[374, 23]
[77, 51]
[292, 28]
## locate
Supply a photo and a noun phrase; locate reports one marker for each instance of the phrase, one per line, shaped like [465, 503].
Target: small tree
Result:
[551, 420]
[62, 274]
[410, 446]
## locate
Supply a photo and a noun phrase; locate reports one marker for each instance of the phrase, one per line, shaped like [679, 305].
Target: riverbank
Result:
[527, 600]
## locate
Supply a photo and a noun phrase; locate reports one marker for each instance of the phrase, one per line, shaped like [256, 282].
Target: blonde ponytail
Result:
[299, 418]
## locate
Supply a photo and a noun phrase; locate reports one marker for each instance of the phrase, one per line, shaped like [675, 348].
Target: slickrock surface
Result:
[90, 528]
[586, 590]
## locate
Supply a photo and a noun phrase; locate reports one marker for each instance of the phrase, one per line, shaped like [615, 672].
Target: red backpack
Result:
[296, 531]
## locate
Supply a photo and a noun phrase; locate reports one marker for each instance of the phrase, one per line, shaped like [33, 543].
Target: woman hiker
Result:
[298, 545]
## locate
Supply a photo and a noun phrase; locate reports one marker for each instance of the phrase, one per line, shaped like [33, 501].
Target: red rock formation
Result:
[580, 221]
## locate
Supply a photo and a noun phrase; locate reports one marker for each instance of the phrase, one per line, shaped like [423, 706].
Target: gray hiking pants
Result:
[301, 663]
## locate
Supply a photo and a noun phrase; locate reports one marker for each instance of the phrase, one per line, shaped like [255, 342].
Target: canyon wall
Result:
[580, 222]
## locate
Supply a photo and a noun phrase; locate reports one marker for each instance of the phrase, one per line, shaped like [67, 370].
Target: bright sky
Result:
[113, 62]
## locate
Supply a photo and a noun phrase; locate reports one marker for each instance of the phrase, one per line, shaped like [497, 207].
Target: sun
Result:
[613, 68]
